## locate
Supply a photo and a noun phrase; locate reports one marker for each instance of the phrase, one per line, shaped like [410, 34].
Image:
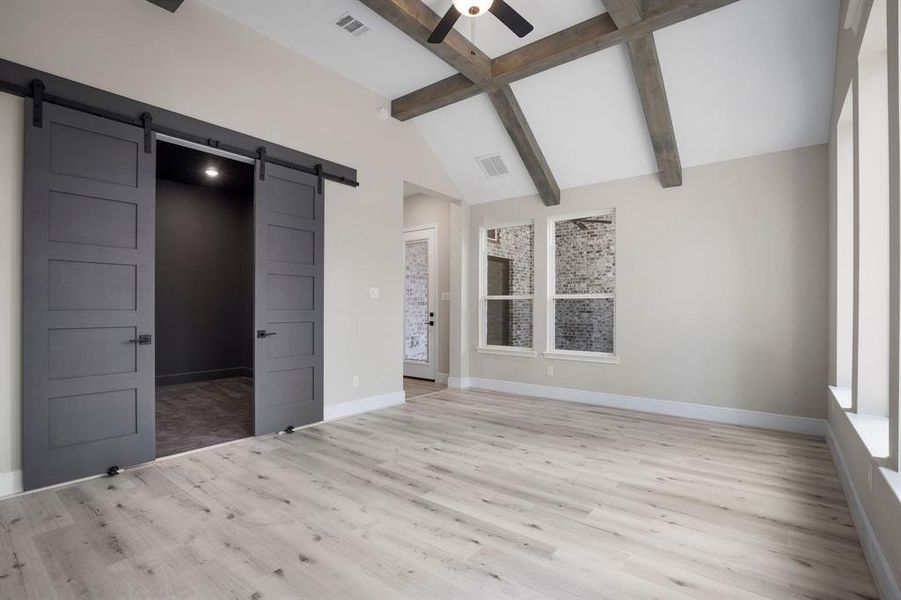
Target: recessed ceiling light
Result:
[211, 172]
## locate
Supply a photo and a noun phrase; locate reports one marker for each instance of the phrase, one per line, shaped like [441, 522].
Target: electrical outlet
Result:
[356, 381]
[373, 292]
[550, 370]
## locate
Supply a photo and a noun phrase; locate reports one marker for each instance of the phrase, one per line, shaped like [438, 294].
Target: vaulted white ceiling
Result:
[750, 78]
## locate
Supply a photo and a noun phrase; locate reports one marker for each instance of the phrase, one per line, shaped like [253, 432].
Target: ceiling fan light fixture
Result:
[472, 8]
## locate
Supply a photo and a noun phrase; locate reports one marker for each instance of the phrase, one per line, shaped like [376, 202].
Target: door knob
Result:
[142, 340]
[262, 333]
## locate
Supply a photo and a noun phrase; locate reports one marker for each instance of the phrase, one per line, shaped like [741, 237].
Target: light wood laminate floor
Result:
[420, 387]
[454, 495]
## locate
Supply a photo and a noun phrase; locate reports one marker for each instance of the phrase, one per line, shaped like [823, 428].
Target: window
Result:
[844, 245]
[582, 287]
[507, 287]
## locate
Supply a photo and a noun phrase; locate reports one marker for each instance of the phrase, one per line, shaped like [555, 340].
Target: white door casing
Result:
[420, 302]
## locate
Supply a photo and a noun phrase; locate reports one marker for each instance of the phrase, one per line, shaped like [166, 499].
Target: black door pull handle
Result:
[142, 340]
[262, 333]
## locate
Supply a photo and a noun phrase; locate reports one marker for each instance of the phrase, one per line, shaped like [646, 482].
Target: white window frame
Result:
[553, 296]
[483, 346]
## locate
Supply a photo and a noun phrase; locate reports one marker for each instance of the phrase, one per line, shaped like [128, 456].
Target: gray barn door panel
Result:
[288, 299]
[88, 389]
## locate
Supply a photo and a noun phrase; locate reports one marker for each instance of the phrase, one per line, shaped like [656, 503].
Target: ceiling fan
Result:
[473, 8]
[582, 223]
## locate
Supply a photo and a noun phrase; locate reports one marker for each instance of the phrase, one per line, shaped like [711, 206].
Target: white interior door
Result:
[420, 306]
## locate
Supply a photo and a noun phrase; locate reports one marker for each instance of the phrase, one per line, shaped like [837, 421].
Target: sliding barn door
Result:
[288, 297]
[88, 386]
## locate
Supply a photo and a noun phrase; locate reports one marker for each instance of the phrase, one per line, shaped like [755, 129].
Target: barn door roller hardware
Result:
[147, 121]
[37, 96]
[261, 156]
[319, 178]
[37, 92]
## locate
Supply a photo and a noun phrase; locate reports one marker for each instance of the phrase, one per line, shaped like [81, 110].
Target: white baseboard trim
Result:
[459, 383]
[441, 378]
[10, 483]
[355, 407]
[704, 412]
[872, 549]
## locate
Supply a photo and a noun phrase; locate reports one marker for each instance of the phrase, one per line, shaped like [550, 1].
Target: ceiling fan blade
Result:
[509, 17]
[444, 25]
[170, 5]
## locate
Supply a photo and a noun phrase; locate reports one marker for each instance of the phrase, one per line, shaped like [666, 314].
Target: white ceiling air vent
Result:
[351, 25]
[493, 165]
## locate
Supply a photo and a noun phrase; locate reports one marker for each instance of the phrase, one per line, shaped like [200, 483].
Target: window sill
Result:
[504, 351]
[842, 395]
[872, 430]
[591, 357]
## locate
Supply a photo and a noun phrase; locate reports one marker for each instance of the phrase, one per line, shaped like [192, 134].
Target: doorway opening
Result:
[432, 279]
[204, 299]
[420, 305]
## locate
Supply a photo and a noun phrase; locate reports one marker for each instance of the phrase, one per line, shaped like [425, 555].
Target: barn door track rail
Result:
[36, 90]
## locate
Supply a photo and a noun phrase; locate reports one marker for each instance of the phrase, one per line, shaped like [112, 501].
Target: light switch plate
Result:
[373, 292]
[445, 296]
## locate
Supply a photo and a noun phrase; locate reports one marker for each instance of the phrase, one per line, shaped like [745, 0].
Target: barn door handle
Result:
[142, 340]
[262, 333]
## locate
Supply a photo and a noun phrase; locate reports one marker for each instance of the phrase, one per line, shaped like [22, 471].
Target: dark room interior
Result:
[204, 299]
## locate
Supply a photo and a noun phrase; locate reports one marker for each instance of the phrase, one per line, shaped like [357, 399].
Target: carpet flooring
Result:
[203, 413]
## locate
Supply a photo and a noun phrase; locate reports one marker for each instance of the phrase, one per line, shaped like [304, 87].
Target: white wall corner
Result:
[458, 383]
[355, 407]
[10, 483]
[704, 412]
[872, 549]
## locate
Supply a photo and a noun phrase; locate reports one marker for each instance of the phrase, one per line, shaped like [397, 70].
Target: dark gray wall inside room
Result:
[204, 273]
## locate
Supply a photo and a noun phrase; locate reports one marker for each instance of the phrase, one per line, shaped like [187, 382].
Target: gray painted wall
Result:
[720, 286]
[204, 281]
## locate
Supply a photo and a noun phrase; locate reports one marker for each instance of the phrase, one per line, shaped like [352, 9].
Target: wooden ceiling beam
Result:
[438, 95]
[417, 20]
[623, 12]
[651, 91]
[580, 40]
[520, 133]
[591, 36]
